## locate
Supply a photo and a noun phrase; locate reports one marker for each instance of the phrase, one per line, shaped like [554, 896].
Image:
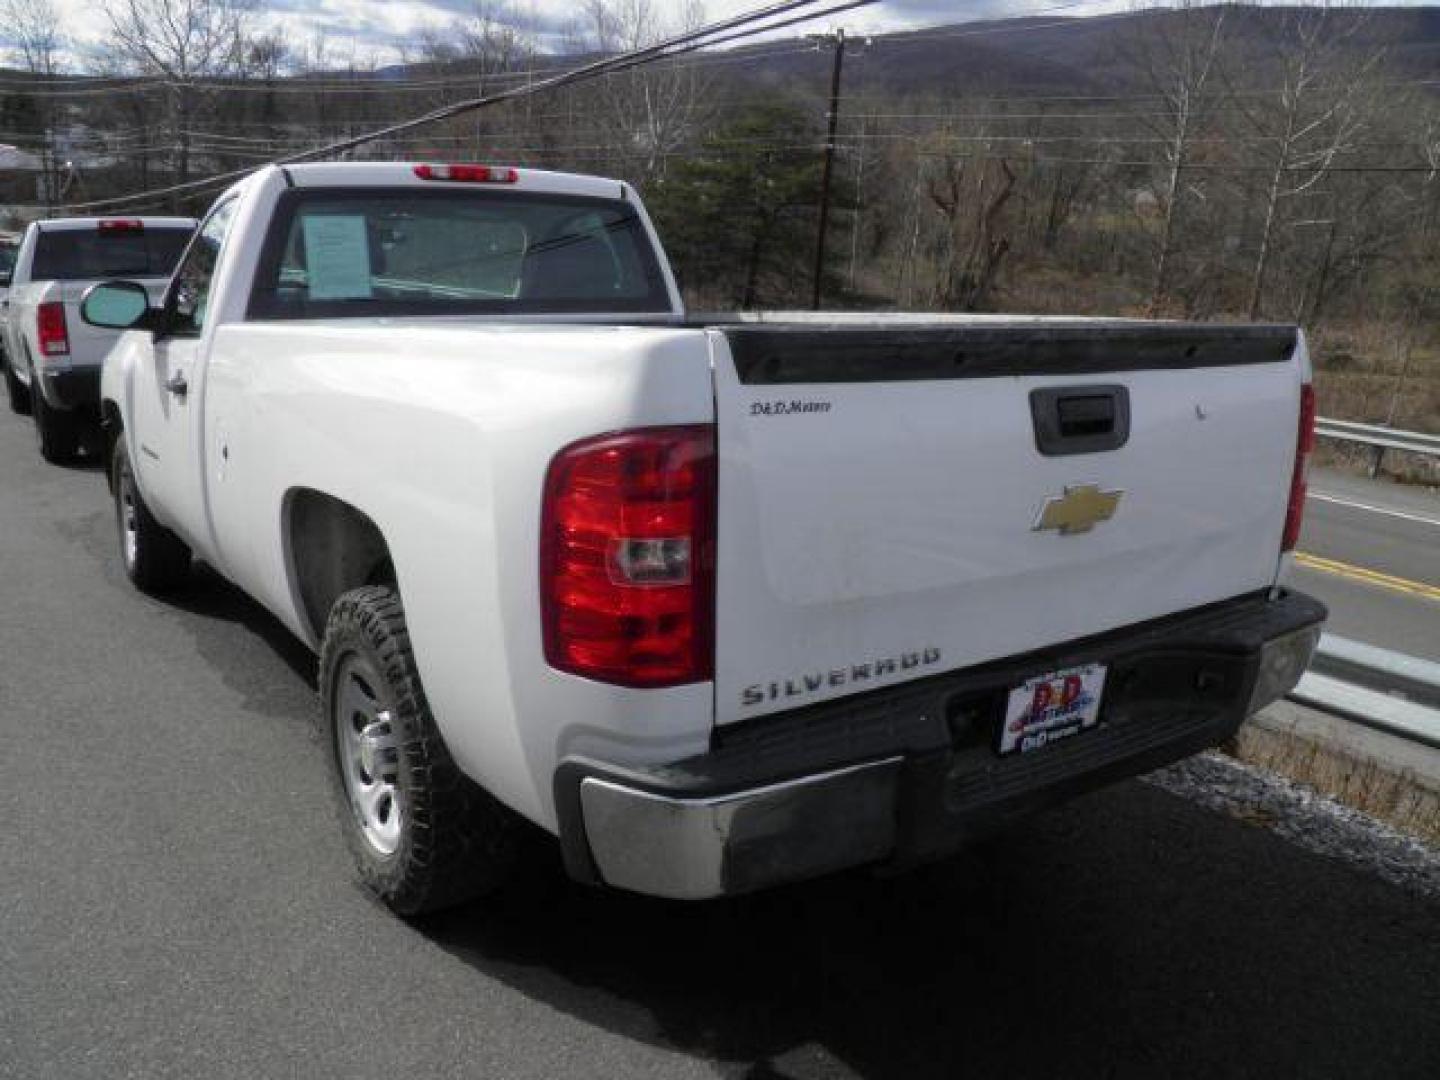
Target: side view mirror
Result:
[119, 305]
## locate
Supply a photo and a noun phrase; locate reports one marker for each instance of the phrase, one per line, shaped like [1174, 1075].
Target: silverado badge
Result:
[1078, 510]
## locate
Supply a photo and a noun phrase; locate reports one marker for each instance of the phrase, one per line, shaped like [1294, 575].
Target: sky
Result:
[381, 30]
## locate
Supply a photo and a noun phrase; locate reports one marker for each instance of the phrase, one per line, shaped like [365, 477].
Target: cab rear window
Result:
[81, 254]
[368, 252]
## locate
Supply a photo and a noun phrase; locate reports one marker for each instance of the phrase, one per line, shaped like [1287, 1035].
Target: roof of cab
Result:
[76, 224]
[402, 174]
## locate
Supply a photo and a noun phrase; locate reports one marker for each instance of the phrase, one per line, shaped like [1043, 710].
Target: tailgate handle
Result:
[1080, 419]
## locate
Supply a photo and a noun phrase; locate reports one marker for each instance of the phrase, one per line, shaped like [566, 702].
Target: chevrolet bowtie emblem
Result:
[1078, 510]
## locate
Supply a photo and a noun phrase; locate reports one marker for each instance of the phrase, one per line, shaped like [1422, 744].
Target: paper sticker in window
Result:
[337, 256]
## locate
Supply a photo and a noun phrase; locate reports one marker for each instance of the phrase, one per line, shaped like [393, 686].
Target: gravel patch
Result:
[1310, 820]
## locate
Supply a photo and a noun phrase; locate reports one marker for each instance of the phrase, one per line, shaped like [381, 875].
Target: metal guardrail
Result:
[1379, 438]
[1372, 686]
[1385, 690]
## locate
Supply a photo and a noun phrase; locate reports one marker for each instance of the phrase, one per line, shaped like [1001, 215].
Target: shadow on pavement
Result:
[211, 597]
[1129, 934]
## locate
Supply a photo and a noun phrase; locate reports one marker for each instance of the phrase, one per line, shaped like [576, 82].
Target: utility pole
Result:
[837, 41]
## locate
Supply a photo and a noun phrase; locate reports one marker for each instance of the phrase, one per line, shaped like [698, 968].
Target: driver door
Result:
[167, 395]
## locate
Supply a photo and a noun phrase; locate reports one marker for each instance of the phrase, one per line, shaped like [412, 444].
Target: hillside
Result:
[1076, 55]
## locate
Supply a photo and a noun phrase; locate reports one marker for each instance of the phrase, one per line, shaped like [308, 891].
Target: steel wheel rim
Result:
[369, 760]
[129, 525]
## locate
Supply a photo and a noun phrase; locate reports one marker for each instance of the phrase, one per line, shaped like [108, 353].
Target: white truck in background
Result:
[52, 357]
[719, 603]
[9, 248]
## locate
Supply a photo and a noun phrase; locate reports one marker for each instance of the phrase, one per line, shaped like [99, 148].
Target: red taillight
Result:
[1304, 444]
[121, 225]
[50, 329]
[468, 174]
[627, 557]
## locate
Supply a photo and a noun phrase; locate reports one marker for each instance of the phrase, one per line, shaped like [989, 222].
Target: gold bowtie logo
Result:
[1078, 510]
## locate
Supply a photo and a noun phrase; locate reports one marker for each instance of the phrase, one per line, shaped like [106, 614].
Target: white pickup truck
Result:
[719, 603]
[52, 358]
[9, 248]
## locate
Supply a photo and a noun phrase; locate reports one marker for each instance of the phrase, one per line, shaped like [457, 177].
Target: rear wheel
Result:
[58, 432]
[156, 560]
[424, 836]
[17, 391]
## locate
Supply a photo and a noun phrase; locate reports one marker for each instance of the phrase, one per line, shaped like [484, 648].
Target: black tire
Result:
[18, 392]
[58, 432]
[156, 560]
[446, 840]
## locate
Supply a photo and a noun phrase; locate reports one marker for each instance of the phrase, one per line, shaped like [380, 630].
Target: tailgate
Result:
[886, 511]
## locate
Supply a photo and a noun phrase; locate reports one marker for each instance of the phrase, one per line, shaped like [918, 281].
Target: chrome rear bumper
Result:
[907, 774]
[693, 848]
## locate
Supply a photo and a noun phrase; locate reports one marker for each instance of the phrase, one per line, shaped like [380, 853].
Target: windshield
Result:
[367, 252]
[81, 255]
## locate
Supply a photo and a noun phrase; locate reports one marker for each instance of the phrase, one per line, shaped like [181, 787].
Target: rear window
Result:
[81, 254]
[364, 252]
[8, 250]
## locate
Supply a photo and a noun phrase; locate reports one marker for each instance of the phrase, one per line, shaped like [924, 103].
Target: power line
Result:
[1189, 166]
[372, 83]
[599, 154]
[680, 43]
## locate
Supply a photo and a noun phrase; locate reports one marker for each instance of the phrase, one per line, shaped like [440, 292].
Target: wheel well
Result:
[111, 428]
[333, 548]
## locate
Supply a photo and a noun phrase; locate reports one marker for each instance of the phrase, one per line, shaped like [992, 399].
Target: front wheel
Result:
[156, 560]
[424, 836]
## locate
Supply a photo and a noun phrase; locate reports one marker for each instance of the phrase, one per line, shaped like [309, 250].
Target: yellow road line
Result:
[1369, 577]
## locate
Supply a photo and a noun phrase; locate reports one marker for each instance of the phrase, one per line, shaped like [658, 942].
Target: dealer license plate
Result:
[1051, 708]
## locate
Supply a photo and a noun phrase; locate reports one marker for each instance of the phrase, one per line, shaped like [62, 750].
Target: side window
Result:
[189, 298]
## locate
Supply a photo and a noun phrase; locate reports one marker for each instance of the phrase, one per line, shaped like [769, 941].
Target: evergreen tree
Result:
[738, 218]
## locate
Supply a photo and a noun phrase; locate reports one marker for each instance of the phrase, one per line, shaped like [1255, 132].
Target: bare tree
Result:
[1429, 146]
[654, 110]
[33, 26]
[267, 56]
[491, 42]
[1323, 107]
[1175, 54]
[474, 56]
[971, 198]
[185, 43]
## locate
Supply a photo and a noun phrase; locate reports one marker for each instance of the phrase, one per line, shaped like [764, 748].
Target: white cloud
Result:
[383, 29]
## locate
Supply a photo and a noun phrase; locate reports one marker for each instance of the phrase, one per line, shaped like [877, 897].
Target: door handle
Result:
[177, 385]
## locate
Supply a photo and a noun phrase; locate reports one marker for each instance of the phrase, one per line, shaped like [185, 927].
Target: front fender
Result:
[117, 383]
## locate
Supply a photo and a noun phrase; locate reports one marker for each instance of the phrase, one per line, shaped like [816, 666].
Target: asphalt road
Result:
[1371, 551]
[175, 902]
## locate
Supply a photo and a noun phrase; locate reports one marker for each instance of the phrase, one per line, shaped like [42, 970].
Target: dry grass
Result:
[1399, 798]
[1363, 373]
